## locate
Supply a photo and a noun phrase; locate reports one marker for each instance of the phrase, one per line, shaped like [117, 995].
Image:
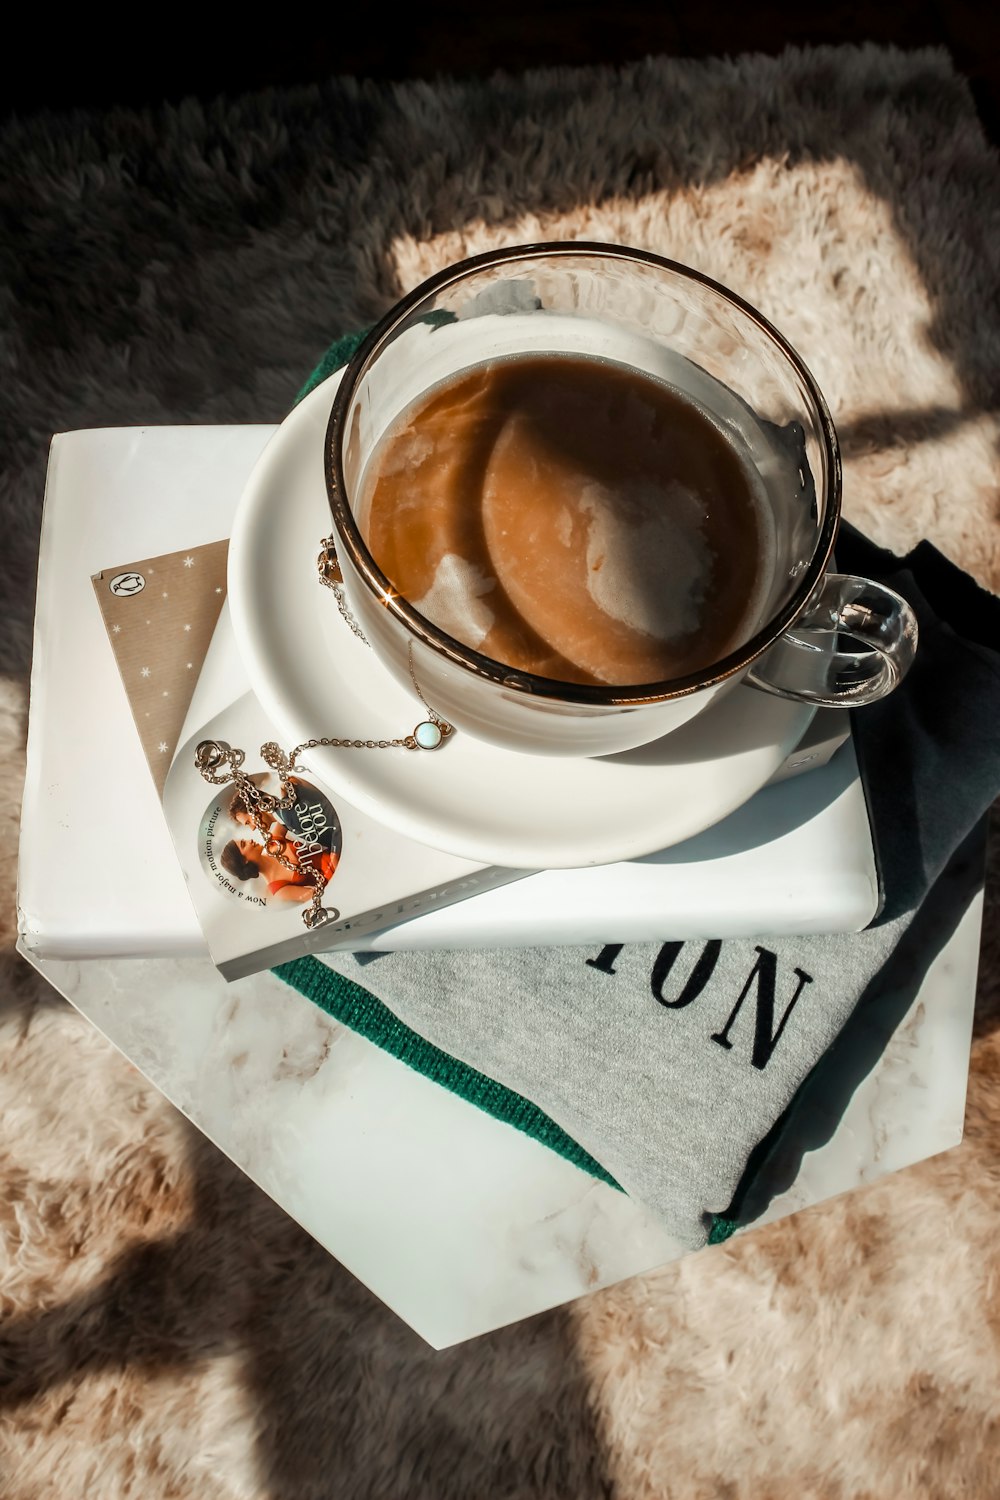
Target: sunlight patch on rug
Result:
[822, 256]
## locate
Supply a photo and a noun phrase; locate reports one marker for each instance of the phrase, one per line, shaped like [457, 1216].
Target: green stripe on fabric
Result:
[348, 1003]
[722, 1229]
[336, 356]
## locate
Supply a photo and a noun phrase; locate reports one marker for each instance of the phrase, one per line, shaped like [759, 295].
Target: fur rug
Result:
[166, 1330]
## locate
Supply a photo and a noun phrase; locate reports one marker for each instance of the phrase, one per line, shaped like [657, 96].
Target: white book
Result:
[98, 876]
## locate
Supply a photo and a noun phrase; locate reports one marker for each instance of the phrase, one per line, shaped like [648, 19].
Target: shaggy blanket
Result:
[165, 1330]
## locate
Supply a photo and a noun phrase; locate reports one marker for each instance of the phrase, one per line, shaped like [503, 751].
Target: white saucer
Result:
[314, 678]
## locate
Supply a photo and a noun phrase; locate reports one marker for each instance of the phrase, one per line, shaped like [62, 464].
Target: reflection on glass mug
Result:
[578, 491]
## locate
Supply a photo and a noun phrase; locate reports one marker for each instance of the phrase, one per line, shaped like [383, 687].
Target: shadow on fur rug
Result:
[166, 1331]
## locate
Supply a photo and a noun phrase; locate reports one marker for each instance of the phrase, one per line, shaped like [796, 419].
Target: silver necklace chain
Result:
[222, 765]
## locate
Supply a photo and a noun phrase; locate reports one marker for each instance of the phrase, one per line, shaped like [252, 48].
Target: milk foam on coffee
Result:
[571, 518]
[456, 600]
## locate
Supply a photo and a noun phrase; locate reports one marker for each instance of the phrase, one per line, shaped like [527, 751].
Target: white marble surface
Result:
[457, 1221]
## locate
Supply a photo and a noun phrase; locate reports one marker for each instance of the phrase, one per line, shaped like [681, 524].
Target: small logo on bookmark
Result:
[124, 584]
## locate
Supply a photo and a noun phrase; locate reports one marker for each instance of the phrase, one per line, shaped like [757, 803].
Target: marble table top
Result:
[365, 1153]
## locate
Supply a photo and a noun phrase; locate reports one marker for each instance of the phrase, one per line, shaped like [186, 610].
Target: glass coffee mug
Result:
[650, 315]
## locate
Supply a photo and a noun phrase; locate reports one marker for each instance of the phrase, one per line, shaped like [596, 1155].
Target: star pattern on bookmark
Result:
[161, 643]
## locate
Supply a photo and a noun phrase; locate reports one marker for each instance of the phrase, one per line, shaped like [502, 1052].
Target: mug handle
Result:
[806, 664]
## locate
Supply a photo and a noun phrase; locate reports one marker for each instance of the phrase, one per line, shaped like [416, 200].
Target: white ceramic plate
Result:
[314, 678]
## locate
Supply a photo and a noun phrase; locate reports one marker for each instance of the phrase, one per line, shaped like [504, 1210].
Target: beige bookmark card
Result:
[160, 614]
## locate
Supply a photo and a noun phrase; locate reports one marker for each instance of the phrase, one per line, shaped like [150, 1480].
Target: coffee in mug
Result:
[572, 518]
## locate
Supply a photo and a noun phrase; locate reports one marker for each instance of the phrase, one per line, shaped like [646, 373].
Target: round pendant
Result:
[427, 735]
